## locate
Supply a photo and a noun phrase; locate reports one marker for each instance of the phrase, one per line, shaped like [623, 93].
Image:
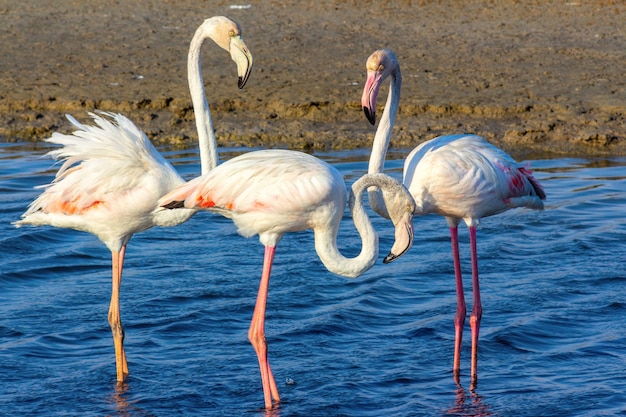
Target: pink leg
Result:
[256, 334]
[459, 319]
[477, 309]
[115, 321]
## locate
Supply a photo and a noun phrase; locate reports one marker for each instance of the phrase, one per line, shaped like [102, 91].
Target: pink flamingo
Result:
[461, 177]
[112, 176]
[272, 192]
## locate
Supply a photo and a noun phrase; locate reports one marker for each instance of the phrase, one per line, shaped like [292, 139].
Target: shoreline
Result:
[305, 126]
[531, 78]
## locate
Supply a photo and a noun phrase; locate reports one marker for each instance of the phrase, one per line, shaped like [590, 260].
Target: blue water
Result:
[553, 335]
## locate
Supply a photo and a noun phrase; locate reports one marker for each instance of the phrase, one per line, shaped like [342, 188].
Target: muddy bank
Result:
[531, 77]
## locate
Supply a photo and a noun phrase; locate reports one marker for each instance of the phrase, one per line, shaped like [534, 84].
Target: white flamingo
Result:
[461, 177]
[112, 176]
[272, 192]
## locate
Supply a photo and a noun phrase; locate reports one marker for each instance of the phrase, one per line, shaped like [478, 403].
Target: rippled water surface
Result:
[553, 335]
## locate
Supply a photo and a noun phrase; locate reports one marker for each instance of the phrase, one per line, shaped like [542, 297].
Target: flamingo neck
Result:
[206, 134]
[382, 138]
[326, 238]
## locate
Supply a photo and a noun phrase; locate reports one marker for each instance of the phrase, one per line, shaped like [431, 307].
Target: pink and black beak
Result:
[240, 53]
[370, 93]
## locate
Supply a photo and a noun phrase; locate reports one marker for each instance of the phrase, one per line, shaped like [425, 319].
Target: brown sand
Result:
[539, 78]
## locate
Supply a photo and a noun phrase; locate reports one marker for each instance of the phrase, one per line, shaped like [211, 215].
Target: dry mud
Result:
[534, 77]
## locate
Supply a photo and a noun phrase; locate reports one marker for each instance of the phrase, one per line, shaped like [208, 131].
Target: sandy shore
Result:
[533, 77]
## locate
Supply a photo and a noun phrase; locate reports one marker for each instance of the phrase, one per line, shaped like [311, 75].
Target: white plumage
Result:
[260, 191]
[461, 177]
[109, 183]
[465, 177]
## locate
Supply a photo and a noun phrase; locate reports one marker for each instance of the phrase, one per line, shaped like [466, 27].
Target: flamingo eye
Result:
[381, 68]
[231, 33]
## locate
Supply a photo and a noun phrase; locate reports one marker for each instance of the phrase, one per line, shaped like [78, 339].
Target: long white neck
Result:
[206, 134]
[382, 138]
[326, 238]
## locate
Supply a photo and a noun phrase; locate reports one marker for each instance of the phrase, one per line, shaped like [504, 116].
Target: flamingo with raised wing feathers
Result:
[461, 177]
[272, 192]
[112, 176]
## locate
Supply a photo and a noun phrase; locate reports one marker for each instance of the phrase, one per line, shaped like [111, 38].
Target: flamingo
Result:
[272, 192]
[460, 177]
[112, 176]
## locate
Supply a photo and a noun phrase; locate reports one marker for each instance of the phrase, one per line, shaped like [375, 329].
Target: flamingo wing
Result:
[109, 182]
[463, 176]
[263, 191]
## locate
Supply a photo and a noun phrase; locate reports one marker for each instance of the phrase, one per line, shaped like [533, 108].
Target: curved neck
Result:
[382, 138]
[326, 238]
[206, 135]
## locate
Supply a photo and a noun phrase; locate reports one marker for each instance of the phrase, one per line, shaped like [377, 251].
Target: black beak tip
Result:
[371, 116]
[390, 258]
[174, 205]
[241, 82]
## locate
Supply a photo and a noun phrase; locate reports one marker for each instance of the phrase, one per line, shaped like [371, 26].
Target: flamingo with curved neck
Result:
[272, 192]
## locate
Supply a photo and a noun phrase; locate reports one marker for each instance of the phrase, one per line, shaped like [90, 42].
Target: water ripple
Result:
[552, 337]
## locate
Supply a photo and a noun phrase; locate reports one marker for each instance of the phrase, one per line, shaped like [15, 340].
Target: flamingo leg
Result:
[477, 309]
[256, 334]
[115, 321]
[459, 319]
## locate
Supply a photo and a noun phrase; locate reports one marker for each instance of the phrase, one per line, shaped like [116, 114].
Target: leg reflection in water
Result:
[472, 405]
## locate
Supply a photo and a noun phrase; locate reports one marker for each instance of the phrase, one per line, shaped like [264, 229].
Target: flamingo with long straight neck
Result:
[273, 192]
[461, 177]
[227, 34]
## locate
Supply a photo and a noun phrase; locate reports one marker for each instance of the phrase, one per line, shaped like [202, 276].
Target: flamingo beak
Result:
[370, 93]
[404, 238]
[243, 58]
[370, 115]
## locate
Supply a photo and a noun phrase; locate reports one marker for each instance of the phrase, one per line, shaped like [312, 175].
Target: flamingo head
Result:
[379, 66]
[403, 224]
[400, 207]
[226, 33]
